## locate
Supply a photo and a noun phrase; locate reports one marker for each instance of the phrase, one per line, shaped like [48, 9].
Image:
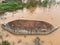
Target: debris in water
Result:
[37, 41]
[19, 41]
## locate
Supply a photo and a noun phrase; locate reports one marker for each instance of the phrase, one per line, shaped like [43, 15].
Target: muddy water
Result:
[51, 15]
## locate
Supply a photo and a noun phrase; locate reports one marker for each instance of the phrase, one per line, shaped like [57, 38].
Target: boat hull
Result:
[29, 27]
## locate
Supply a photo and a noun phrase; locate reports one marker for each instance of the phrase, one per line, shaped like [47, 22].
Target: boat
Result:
[22, 26]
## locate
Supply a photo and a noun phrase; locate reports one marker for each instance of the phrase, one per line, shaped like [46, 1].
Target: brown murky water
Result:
[51, 15]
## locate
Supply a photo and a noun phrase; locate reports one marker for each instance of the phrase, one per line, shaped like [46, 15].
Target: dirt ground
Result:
[51, 15]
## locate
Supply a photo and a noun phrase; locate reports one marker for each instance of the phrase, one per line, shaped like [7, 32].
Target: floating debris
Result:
[29, 27]
[37, 41]
[25, 36]
[7, 35]
[19, 41]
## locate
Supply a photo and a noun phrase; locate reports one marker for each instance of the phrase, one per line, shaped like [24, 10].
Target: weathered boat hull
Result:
[26, 29]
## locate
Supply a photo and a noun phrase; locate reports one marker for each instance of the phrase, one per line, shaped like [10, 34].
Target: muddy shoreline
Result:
[51, 15]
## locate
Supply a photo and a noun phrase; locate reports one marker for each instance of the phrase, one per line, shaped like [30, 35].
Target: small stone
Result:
[7, 35]
[24, 36]
[37, 41]
[19, 41]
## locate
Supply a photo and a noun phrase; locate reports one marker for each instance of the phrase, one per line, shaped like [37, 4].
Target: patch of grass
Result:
[15, 5]
[45, 3]
[10, 6]
[31, 3]
[5, 43]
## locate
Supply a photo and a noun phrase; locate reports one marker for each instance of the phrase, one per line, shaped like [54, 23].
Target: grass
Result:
[5, 43]
[45, 3]
[31, 4]
[11, 6]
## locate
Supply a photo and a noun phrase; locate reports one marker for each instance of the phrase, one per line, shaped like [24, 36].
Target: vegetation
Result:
[5, 43]
[11, 6]
[31, 3]
[18, 4]
[12, 0]
[45, 3]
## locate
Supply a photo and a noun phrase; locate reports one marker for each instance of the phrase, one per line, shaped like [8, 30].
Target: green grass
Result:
[10, 6]
[45, 3]
[5, 43]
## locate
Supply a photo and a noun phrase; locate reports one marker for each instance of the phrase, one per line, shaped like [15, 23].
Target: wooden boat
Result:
[29, 27]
